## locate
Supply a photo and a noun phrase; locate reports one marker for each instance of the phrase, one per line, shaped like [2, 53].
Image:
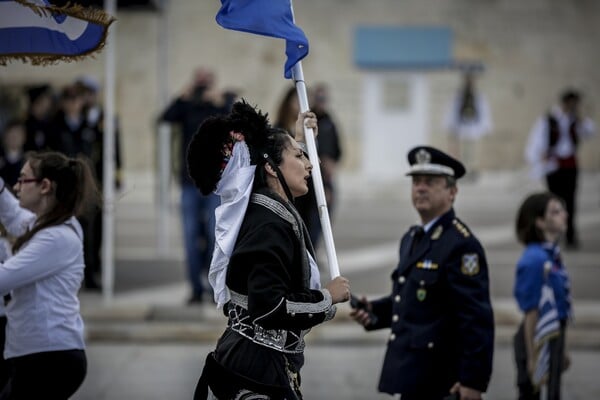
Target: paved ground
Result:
[144, 344]
[333, 372]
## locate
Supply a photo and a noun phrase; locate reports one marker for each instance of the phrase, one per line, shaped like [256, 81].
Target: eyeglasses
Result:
[21, 181]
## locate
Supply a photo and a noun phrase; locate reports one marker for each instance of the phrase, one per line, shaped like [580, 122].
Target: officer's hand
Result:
[339, 288]
[465, 393]
[361, 315]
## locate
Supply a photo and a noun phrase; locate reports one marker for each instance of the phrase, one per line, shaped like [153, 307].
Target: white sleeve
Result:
[535, 150]
[587, 128]
[49, 251]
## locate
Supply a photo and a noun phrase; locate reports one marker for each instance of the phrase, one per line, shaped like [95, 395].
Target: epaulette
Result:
[461, 228]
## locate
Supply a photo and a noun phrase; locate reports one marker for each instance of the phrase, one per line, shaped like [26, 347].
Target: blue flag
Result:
[38, 32]
[269, 18]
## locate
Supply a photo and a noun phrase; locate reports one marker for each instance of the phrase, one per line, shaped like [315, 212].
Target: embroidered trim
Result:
[332, 309]
[294, 218]
[286, 341]
[278, 209]
[293, 307]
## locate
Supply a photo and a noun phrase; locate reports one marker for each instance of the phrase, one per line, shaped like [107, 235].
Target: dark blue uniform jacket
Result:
[439, 312]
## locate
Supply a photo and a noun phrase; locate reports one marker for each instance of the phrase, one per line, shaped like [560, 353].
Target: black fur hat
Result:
[211, 146]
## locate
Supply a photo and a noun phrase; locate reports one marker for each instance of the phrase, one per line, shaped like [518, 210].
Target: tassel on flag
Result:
[40, 33]
[269, 18]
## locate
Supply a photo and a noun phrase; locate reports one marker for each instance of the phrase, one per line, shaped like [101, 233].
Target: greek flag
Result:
[269, 18]
[36, 31]
[547, 327]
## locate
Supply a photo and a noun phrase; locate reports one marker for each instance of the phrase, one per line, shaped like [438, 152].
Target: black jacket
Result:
[272, 305]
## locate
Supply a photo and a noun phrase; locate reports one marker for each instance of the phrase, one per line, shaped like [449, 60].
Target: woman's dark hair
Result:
[75, 190]
[274, 146]
[206, 153]
[285, 113]
[532, 208]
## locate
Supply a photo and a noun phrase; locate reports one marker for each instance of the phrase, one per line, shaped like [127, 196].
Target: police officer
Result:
[439, 311]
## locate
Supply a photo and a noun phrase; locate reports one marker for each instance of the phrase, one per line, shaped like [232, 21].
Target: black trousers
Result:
[54, 375]
[557, 348]
[563, 183]
[5, 370]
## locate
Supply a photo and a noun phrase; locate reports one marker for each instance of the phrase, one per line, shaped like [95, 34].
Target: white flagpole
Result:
[163, 227]
[334, 269]
[108, 233]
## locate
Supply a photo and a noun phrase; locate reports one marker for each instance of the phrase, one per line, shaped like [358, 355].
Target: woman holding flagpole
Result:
[542, 293]
[263, 270]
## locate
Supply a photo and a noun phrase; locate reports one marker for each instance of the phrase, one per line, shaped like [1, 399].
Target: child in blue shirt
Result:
[542, 293]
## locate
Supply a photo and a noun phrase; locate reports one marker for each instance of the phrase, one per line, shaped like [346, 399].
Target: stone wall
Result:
[531, 50]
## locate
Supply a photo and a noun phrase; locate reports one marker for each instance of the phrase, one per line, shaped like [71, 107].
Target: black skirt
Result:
[239, 368]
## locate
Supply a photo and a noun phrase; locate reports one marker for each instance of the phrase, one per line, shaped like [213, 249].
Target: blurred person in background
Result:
[92, 147]
[71, 135]
[329, 150]
[39, 117]
[12, 153]
[200, 100]
[287, 111]
[551, 152]
[94, 120]
[467, 119]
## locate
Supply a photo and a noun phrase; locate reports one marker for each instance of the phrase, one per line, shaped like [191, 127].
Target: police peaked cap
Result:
[426, 160]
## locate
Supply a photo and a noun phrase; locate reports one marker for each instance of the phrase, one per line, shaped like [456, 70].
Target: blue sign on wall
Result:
[392, 47]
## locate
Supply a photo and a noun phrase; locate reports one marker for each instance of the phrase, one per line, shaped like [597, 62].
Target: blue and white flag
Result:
[547, 327]
[269, 18]
[36, 31]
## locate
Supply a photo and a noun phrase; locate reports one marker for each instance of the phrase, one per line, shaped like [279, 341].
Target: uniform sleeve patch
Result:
[470, 264]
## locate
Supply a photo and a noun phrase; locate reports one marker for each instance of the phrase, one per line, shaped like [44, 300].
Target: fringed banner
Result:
[40, 33]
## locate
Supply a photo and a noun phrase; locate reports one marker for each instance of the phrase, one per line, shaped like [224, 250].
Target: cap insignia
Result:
[423, 157]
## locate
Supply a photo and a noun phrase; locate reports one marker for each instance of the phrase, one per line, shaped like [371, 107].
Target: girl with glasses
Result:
[44, 275]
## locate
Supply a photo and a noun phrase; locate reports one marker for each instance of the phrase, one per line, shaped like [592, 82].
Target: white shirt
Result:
[43, 277]
[5, 252]
[537, 146]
